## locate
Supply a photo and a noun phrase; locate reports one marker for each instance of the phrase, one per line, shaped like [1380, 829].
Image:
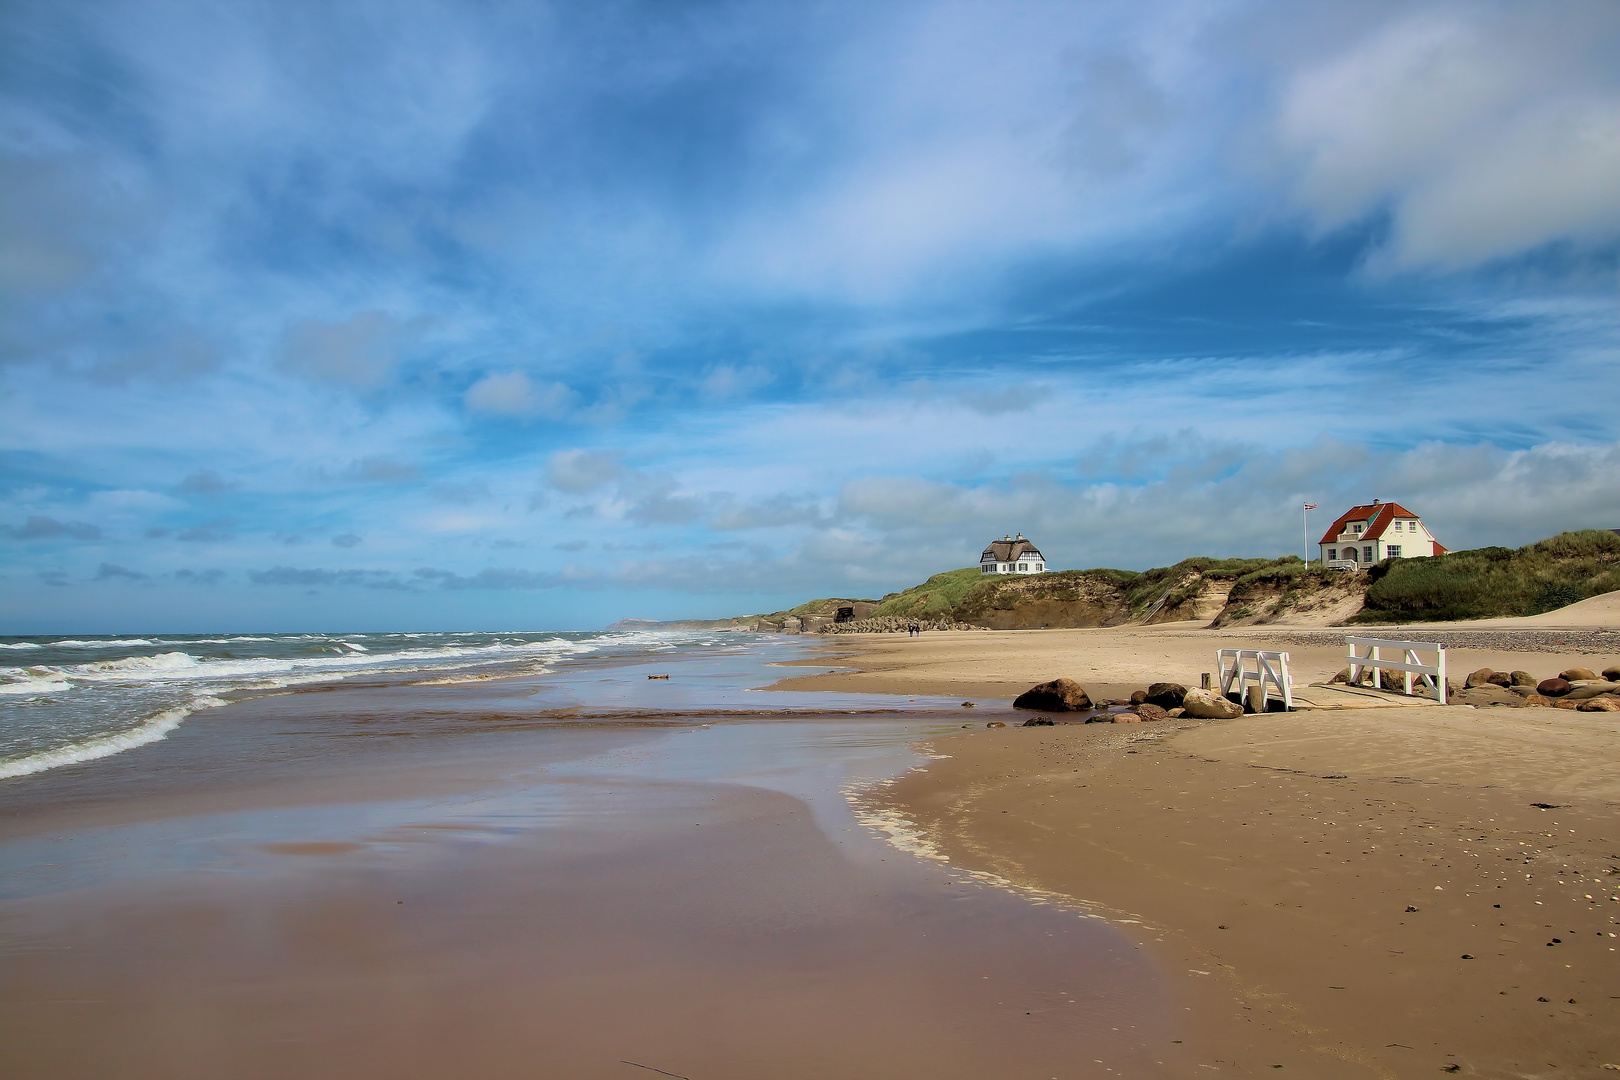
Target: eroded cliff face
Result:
[1285, 594]
[1327, 600]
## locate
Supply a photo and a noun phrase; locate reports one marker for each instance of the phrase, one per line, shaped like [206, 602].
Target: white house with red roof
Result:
[1367, 534]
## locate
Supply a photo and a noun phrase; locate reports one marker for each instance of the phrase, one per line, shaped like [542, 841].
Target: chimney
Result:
[1376, 502]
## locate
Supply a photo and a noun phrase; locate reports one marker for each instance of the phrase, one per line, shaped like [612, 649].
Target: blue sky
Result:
[495, 315]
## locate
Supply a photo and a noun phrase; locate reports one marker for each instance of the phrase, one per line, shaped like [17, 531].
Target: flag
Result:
[1312, 506]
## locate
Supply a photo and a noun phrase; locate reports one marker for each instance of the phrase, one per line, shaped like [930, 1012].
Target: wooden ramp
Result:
[1340, 696]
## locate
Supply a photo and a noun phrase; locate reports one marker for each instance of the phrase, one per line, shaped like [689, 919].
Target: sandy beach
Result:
[1361, 893]
[585, 872]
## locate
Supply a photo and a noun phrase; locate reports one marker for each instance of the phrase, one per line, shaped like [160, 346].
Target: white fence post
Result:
[1270, 671]
[1373, 660]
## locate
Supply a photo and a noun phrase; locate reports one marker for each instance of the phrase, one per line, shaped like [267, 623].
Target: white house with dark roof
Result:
[1012, 555]
[1367, 534]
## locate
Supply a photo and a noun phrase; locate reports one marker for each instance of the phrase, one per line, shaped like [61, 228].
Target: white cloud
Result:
[1486, 130]
[360, 351]
[515, 394]
[580, 471]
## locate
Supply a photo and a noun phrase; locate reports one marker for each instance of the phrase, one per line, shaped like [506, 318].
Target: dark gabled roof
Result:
[1009, 550]
[1377, 515]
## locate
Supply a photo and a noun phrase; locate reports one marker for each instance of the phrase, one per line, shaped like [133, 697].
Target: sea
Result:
[67, 700]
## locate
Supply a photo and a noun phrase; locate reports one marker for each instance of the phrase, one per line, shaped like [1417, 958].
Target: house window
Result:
[1356, 527]
[1333, 554]
[1366, 554]
[1394, 551]
[1023, 566]
[1397, 526]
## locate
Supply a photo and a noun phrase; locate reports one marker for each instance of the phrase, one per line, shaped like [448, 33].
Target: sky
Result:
[415, 316]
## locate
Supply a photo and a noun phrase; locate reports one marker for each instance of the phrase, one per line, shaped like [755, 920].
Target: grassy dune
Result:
[1494, 581]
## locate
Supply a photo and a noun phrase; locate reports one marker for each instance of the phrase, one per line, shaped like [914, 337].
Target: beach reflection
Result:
[579, 899]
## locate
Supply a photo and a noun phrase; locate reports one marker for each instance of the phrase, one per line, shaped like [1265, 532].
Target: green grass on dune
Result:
[1494, 581]
[938, 597]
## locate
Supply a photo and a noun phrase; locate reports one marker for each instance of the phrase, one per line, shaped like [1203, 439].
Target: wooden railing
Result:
[1270, 672]
[1432, 674]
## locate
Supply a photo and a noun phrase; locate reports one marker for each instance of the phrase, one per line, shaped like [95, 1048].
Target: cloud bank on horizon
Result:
[440, 315]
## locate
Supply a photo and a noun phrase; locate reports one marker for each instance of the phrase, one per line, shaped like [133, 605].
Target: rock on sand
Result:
[1166, 695]
[1208, 706]
[1059, 695]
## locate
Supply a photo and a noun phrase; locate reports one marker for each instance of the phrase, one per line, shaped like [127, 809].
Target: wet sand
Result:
[1269, 863]
[480, 880]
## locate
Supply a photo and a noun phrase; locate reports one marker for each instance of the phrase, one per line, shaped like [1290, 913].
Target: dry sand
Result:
[1368, 893]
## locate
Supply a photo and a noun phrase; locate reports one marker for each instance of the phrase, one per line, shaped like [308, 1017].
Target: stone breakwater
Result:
[891, 624]
[1584, 642]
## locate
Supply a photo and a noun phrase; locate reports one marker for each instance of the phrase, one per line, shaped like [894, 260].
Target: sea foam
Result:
[151, 730]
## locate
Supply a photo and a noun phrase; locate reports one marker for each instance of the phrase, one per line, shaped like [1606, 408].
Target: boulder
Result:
[1500, 678]
[1478, 678]
[1137, 697]
[1553, 687]
[1343, 676]
[1421, 689]
[995, 723]
[1534, 701]
[1038, 721]
[1166, 695]
[1602, 703]
[1591, 688]
[1561, 703]
[1485, 695]
[1522, 691]
[1577, 673]
[1127, 718]
[1059, 695]
[1175, 714]
[1206, 705]
[1149, 711]
[1612, 673]
[1522, 678]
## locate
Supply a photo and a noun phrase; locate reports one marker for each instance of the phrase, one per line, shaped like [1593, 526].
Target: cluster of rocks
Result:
[1160, 701]
[887, 624]
[1573, 688]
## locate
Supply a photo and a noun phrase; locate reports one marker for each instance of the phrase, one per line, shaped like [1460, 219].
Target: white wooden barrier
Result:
[1270, 670]
[1374, 659]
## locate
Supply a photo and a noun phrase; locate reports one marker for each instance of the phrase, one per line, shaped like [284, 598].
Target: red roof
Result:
[1377, 515]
